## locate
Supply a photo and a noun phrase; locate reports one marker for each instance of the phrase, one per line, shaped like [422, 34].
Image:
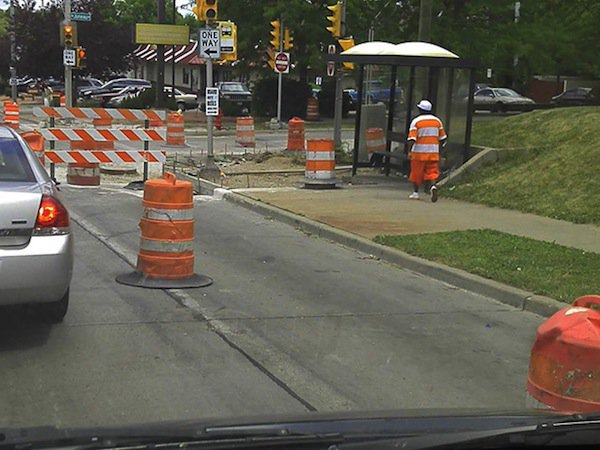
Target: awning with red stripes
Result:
[184, 54]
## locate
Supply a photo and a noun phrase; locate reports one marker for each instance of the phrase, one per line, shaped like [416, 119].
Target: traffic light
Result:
[288, 40]
[345, 44]
[275, 34]
[206, 10]
[68, 35]
[80, 58]
[336, 19]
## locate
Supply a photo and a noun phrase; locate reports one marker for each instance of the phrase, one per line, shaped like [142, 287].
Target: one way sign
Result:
[210, 43]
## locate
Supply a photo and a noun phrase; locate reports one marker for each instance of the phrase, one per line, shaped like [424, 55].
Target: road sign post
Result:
[69, 57]
[209, 49]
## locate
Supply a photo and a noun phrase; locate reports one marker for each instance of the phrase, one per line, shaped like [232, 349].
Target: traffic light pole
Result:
[339, 90]
[280, 75]
[68, 70]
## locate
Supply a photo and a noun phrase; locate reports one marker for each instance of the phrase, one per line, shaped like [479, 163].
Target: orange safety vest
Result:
[427, 131]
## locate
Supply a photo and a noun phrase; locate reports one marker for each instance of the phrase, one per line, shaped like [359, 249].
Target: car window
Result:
[14, 165]
[506, 93]
[485, 93]
[235, 87]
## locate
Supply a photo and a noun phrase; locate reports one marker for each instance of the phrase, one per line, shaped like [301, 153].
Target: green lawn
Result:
[545, 268]
[554, 172]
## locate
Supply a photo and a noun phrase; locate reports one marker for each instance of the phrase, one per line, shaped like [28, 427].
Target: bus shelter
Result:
[392, 78]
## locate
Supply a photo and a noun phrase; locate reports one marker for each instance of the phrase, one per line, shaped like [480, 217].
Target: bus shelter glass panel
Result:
[457, 119]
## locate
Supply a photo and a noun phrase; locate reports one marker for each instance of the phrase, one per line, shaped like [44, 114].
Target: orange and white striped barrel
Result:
[36, 143]
[11, 113]
[312, 109]
[319, 172]
[175, 129]
[375, 140]
[295, 134]
[83, 174]
[167, 228]
[244, 131]
[63, 100]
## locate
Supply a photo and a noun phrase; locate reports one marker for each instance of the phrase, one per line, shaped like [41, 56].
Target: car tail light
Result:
[52, 217]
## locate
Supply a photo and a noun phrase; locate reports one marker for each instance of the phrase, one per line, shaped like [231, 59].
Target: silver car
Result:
[501, 100]
[36, 243]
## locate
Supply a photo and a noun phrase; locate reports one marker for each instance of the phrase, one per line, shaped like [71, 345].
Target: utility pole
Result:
[173, 54]
[339, 89]
[68, 69]
[13, 52]
[516, 57]
[160, 61]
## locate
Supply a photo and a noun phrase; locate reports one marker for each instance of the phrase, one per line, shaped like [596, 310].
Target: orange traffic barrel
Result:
[319, 172]
[36, 142]
[175, 129]
[375, 140]
[245, 135]
[166, 255]
[312, 109]
[295, 134]
[219, 120]
[11, 113]
[564, 368]
[63, 100]
[83, 174]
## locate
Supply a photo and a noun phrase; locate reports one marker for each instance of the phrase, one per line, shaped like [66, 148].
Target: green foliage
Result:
[557, 176]
[295, 96]
[545, 268]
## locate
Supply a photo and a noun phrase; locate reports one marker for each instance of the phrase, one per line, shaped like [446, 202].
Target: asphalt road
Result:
[291, 324]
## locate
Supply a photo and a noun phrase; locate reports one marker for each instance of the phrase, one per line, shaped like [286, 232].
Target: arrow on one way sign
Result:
[210, 43]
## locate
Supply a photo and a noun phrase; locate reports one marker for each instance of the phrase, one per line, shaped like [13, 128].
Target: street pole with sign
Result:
[13, 53]
[210, 48]
[68, 68]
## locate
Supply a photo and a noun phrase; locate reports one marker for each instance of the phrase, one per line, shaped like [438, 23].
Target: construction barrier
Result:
[131, 115]
[375, 140]
[175, 129]
[312, 109]
[295, 134]
[319, 170]
[87, 173]
[244, 131]
[36, 143]
[83, 174]
[166, 255]
[11, 114]
[564, 368]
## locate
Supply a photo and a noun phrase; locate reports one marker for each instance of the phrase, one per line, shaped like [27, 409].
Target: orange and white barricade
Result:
[175, 130]
[375, 140]
[245, 135]
[11, 114]
[166, 255]
[319, 170]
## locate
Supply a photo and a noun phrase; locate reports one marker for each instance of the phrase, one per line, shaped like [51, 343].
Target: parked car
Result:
[235, 98]
[114, 86]
[86, 83]
[115, 98]
[182, 100]
[501, 100]
[36, 243]
[577, 97]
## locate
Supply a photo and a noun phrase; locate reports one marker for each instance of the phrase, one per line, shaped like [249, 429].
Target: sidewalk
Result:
[376, 205]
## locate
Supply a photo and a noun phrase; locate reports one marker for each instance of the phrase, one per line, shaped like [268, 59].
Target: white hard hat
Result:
[425, 105]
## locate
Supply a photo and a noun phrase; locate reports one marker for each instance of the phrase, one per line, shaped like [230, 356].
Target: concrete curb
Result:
[519, 298]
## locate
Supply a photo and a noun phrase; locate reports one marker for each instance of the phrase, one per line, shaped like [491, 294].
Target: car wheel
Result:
[55, 312]
[499, 107]
[181, 106]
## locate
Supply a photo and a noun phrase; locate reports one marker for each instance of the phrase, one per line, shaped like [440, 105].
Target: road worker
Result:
[426, 137]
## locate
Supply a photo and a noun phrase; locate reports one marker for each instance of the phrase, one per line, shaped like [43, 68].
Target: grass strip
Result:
[546, 268]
